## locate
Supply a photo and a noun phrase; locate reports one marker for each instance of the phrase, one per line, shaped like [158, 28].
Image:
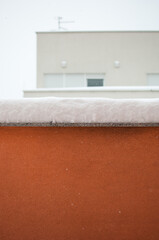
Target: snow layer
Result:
[79, 110]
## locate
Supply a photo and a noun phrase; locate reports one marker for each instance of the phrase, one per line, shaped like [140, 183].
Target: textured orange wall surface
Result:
[79, 183]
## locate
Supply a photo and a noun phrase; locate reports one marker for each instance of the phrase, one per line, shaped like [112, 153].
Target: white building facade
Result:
[97, 64]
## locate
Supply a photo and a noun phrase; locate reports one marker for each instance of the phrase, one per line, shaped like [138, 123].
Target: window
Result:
[153, 79]
[94, 82]
[73, 80]
[53, 81]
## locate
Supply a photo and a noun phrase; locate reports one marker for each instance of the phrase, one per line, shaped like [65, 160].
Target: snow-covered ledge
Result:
[54, 111]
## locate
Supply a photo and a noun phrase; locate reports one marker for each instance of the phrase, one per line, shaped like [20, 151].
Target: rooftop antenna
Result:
[60, 22]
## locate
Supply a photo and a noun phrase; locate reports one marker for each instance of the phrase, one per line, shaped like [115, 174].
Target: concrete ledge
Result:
[106, 92]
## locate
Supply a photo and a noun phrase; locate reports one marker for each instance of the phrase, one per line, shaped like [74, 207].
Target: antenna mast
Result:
[60, 22]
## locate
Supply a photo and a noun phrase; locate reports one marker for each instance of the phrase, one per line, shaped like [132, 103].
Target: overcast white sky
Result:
[20, 19]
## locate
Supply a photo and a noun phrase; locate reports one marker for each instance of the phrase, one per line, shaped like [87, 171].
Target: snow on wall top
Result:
[79, 110]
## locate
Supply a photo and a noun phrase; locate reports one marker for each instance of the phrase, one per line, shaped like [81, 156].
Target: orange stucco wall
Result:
[79, 183]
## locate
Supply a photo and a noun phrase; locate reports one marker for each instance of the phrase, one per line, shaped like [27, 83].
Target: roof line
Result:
[104, 31]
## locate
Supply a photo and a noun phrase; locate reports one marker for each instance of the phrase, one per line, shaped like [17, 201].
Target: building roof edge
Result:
[100, 31]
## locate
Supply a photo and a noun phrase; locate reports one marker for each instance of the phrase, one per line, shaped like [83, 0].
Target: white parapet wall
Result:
[95, 92]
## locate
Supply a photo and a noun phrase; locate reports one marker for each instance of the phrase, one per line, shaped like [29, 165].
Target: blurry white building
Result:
[97, 64]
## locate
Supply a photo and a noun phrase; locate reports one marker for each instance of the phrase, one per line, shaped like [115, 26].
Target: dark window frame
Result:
[95, 82]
